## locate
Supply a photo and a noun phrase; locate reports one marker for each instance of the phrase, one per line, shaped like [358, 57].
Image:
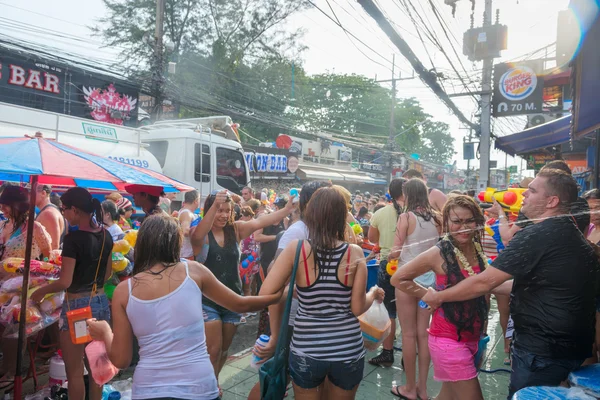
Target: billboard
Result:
[29, 81]
[518, 88]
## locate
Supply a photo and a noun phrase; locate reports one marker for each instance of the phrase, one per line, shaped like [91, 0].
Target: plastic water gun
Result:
[392, 267]
[247, 266]
[493, 229]
[510, 199]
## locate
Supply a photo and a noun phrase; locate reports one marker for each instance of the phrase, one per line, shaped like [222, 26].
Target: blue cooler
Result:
[372, 271]
[551, 393]
[587, 379]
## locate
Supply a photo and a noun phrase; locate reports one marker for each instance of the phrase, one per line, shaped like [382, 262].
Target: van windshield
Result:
[231, 169]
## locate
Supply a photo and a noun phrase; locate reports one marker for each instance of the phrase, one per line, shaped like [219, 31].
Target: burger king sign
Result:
[518, 83]
[517, 90]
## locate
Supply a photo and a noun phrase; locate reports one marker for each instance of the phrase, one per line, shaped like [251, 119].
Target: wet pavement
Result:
[238, 377]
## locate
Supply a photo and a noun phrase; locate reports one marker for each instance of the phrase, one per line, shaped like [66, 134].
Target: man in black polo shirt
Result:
[556, 276]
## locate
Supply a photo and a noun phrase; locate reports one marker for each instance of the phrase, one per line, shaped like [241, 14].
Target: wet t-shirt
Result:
[555, 275]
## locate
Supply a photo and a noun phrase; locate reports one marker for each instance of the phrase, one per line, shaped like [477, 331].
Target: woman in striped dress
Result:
[331, 283]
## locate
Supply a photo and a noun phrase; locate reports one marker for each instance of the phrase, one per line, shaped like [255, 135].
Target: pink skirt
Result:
[452, 361]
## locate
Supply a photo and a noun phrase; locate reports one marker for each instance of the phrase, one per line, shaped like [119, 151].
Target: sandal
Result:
[396, 392]
[6, 384]
[384, 359]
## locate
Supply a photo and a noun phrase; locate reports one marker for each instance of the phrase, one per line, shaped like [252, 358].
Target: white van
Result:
[203, 153]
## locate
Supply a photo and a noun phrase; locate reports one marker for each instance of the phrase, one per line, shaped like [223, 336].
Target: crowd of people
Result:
[197, 276]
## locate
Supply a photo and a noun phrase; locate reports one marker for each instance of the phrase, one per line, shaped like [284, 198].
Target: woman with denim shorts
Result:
[215, 242]
[331, 282]
[161, 307]
[86, 265]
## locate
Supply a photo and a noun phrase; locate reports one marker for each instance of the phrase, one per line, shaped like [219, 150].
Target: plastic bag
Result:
[101, 368]
[12, 264]
[119, 262]
[52, 303]
[131, 237]
[15, 284]
[42, 269]
[551, 393]
[375, 325]
[56, 257]
[121, 246]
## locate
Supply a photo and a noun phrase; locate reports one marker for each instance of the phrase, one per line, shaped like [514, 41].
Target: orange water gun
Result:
[510, 199]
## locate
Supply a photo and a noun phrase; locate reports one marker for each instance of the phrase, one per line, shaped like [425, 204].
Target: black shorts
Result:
[383, 281]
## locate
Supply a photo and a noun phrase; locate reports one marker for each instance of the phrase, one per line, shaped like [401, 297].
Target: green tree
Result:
[437, 143]
[226, 29]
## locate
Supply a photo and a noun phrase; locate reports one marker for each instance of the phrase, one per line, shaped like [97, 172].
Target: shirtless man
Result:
[50, 216]
[437, 199]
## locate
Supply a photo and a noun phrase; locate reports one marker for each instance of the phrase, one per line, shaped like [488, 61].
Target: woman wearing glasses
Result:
[456, 327]
[222, 235]
[85, 267]
[14, 203]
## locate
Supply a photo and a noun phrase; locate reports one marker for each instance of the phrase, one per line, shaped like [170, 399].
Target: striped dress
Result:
[325, 328]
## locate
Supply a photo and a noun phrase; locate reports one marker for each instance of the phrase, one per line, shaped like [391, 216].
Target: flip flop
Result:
[6, 384]
[396, 393]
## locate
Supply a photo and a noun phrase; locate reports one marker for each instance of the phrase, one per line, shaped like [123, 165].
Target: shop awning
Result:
[586, 80]
[308, 172]
[549, 134]
[315, 173]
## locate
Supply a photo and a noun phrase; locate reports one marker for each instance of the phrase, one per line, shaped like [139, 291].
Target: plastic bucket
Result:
[57, 373]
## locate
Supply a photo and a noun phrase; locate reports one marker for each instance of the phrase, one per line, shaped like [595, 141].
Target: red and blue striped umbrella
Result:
[62, 165]
[40, 161]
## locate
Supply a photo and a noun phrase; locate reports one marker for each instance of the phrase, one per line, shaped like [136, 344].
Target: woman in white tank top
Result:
[418, 230]
[162, 306]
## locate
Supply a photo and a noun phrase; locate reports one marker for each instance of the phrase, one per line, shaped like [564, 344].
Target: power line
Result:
[353, 35]
[407, 52]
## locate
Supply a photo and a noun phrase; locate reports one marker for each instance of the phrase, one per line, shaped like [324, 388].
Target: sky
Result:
[532, 24]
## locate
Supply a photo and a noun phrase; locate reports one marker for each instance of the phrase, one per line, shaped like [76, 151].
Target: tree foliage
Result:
[235, 30]
[240, 58]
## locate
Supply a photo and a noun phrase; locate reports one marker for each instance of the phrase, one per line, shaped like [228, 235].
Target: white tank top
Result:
[174, 361]
[424, 237]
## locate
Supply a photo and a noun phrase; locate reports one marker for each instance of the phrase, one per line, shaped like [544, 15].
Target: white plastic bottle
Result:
[260, 342]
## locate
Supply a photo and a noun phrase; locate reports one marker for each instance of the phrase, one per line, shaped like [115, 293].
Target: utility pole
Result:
[486, 108]
[392, 136]
[157, 70]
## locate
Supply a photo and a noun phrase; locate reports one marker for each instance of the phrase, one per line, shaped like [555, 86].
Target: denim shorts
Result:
[529, 369]
[226, 316]
[309, 373]
[99, 305]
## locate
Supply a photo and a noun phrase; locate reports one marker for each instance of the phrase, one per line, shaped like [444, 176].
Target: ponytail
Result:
[395, 190]
[97, 210]
[397, 207]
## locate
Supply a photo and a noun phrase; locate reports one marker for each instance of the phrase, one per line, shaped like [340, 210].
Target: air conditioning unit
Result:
[539, 119]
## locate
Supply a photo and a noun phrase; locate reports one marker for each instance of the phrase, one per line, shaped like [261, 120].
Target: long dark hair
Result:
[81, 199]
[416, 200]
[109, 207]
[325, 218]
[158, 242]
[229, 228]
[18, 199]
[462, 314]
[395, 190]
